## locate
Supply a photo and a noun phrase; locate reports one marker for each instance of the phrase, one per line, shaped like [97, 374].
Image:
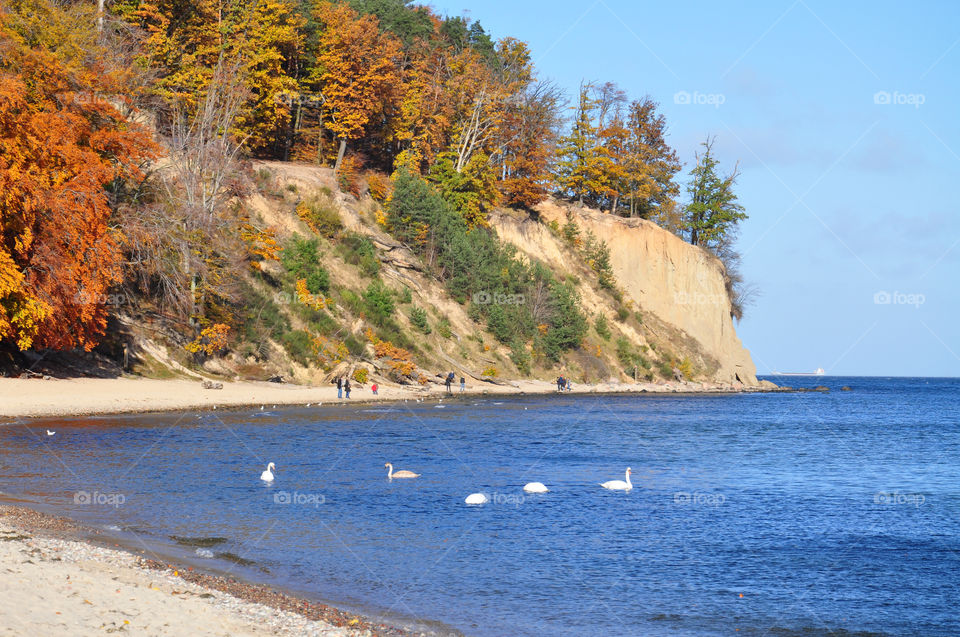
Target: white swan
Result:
[477, 498]
[619, 485]
[50, 433]
[535, 487]
[267, 476]
[403, 473]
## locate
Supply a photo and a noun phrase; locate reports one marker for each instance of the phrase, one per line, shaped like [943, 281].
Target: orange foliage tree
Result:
[63, 139]
[356, 73]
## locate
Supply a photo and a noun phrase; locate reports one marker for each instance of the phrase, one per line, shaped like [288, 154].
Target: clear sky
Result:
[844, 118]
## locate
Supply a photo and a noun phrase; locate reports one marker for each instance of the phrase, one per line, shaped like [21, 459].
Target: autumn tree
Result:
[532, 124]
[64, 145]
[651, 164]
[356, 73]
[267, 41]
[578, 165]
[182, 42]
[185, 243]
[610, 178]
[422, 124]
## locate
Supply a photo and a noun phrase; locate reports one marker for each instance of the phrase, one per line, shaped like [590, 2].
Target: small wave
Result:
[112, 527]
[236, 559]
[204, 553]
[198, 541]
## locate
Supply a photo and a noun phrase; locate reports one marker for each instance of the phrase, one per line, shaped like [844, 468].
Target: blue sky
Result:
[844, 118]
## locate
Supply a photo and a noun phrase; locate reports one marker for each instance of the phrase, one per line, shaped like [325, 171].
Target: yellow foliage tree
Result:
[356, 73]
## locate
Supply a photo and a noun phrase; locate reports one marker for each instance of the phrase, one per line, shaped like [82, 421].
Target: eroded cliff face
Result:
[678, 283]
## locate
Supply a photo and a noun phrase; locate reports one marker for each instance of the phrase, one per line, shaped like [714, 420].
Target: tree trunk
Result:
[340, 153]
[292, 132]
[100, 17]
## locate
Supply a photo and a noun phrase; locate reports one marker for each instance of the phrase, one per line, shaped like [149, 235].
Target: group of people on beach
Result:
[343, 384]
[448, 381]
[343, 387]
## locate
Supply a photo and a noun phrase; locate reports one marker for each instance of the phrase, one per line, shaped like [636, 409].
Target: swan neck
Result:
[390, 472]
[629, 484]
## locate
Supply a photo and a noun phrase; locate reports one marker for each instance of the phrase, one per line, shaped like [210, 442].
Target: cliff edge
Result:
[678, 283]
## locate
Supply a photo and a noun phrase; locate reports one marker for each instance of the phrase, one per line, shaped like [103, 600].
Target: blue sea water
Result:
[756, 514]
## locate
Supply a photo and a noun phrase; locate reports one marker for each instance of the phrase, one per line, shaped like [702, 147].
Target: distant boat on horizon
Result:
[819, 372]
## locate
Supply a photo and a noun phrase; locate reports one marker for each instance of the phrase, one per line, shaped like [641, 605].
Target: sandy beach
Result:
[56, 585]
[37, 397]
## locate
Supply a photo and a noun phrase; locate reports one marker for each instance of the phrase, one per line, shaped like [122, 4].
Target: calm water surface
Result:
[788, 514]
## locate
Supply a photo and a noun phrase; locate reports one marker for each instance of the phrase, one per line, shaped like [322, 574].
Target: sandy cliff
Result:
[678, 283]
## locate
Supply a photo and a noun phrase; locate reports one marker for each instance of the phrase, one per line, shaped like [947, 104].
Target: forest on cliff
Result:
[133, 135]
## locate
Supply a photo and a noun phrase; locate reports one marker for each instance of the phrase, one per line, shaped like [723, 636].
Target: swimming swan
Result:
[477, 498]
[267, 476]
[535, 487]
[619, 485]
[51, 433]
[403, 473]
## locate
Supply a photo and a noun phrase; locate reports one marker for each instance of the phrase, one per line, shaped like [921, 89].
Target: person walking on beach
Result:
[448, 382]
[374, 388]
[346, 387]
[463, 384]
[560, 383]
[339, 386]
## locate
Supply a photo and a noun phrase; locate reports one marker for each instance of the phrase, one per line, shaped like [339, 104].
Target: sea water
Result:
[751, 514]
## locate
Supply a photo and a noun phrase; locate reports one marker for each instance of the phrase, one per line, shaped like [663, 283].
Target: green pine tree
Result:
[713, 211]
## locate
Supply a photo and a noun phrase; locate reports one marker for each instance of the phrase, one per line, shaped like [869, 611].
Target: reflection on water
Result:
[790, 514]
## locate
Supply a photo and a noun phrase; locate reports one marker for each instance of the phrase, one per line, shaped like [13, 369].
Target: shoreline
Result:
[68, 583]
[52, 398]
